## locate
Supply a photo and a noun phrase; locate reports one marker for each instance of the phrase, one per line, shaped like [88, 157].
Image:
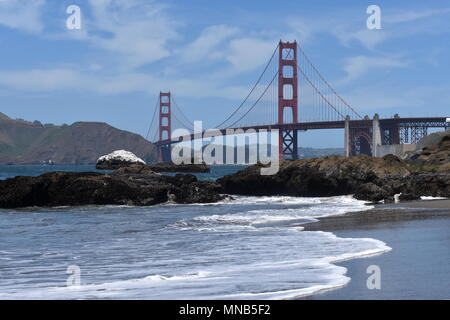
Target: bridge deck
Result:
[430, 122]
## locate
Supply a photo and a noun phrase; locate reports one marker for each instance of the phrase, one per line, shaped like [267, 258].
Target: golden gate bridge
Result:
[291, 95]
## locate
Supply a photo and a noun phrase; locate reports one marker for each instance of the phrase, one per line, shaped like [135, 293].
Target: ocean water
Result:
[11, 171]
[244, 248]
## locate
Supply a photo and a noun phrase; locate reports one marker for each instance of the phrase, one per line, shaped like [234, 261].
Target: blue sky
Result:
[209, 54]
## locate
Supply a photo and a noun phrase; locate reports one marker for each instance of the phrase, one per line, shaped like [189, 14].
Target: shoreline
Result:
[399, 226]
[416, 267]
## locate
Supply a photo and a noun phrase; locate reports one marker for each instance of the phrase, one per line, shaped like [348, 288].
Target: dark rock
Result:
[135, 169]
[171, 167]
[368, 178]
[433, 184]
[329, 176]
[371, 192]
[87, 188]
[163, 167]
[437, 154]
[392, 159]
[408, 196]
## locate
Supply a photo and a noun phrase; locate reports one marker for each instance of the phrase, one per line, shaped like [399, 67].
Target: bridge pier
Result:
[288, 144]
[164, 153]
[376, 134]
[347, 137]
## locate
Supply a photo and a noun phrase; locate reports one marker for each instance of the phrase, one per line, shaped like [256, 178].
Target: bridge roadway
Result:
[428, 122]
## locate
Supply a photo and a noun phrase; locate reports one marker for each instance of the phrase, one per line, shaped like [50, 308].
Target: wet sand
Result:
[417, 267]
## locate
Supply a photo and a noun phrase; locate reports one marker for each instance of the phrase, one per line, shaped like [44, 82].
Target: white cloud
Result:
[376, 99]
[368, 38]
[358, 66]
[303, 30]
[24, 15]
[42, 80]
[138, 30]
[408, 16]
[343, 27]
[423, 100]
[349, 26]
[248, 53]
[49, 80]
[207, 45]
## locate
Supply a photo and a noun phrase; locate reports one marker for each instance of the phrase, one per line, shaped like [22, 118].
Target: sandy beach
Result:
[417, 267]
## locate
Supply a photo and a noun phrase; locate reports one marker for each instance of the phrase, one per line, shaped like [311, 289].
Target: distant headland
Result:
[24, 142]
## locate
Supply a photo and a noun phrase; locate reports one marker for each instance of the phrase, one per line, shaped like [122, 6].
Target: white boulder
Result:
[118, 159]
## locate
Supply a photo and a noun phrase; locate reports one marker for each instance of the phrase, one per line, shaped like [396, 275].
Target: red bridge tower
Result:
[164, 125]
[287, 97]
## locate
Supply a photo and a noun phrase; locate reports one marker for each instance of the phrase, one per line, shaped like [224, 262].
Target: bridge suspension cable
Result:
[288, 55]
[302, 53]
[256, 102]
[251, 91]
[152, 126]
[177, 108]
[320, 93]
[318, 101]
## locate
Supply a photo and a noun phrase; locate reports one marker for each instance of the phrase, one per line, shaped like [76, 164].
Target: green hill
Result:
[23, 142]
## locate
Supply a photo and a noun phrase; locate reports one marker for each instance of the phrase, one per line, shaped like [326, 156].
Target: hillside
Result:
[23, 142]
[431, 139]
[433, 150]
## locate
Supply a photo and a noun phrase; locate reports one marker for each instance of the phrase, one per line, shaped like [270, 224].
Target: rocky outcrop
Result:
[329, 176]
[171, 167]
[153, 168]
[118, 159]
[119, 188]
[432, 139]
[368, 178]
[435, 154]
[122, 159]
